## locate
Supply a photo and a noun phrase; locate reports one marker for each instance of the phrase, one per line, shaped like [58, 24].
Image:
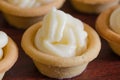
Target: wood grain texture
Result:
[105, 67]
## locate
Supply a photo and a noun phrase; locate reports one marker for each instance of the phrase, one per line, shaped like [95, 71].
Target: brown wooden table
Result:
[105, 67]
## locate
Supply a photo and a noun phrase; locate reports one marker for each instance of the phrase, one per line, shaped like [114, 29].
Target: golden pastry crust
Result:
[61, 67]
[9, 58]
[93, 6]
[103, 28]
[24, 17]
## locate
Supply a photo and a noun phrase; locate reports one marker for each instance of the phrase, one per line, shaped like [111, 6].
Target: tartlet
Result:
[60, 67]
[9, 58]
[24, 17]
[93, 6]
[103, 28]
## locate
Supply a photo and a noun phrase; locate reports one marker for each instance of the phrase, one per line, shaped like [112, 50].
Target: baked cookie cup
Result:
[93, 6]
[9, 58]
[24, 17]
[103, 28]
[56, 66]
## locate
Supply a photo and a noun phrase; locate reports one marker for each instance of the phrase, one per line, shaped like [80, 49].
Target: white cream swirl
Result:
[28, 3]
[61, 35]
[3, 42]
[115, 20]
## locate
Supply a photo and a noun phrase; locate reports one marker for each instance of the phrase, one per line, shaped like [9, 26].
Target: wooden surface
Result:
[105, 67]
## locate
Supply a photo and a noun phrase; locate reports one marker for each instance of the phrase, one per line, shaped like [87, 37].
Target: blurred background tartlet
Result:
[108, 25]
[21, 16]
[93, 6]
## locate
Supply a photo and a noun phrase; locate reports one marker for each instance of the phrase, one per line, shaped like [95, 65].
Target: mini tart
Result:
[93, 6]
[59, 67]
[24, 17]
[9, 57]
[103, 28]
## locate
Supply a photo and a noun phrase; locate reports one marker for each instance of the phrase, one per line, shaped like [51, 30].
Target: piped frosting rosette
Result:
[115, 20]
[28, 3]
[61, 35]
[3, 42]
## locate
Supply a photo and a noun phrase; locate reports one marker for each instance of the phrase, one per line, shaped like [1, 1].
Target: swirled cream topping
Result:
[3, 42]
[28, 3]
[61, 35]
[115, 20]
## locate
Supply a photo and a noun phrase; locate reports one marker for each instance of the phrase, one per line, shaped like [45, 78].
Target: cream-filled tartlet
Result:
[61, 46]
[24, 13]
[8, 53]
[93, 6]
[108, 26]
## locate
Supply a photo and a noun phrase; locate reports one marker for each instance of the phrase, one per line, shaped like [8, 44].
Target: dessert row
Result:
[60, 45]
